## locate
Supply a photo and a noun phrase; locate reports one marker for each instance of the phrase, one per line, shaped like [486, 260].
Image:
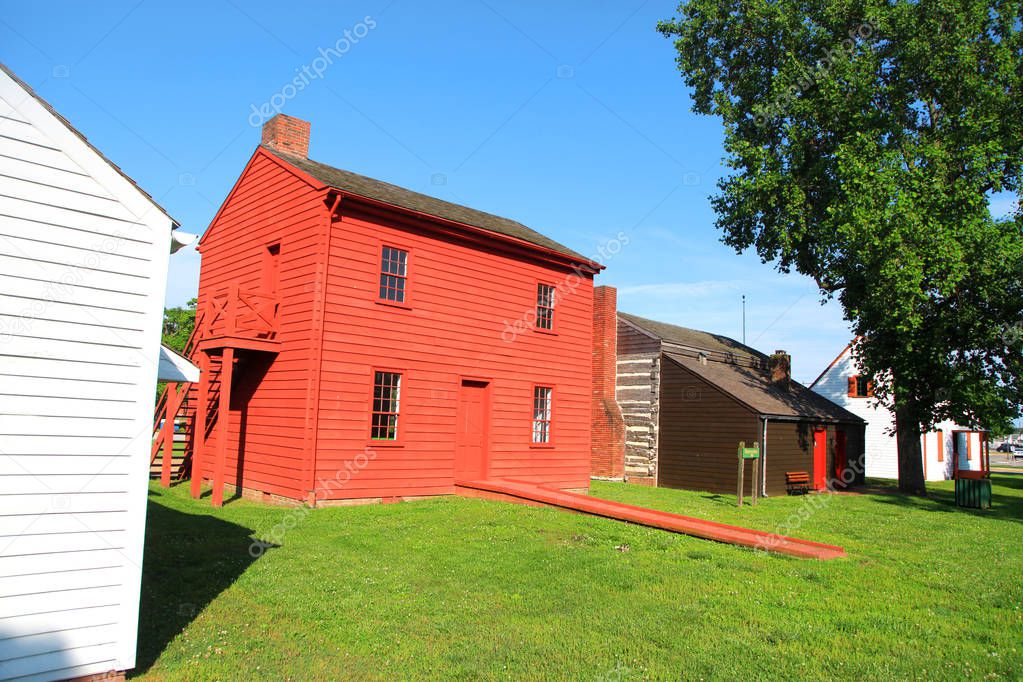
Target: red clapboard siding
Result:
[461, 299]
[269, 204]
[300, 424]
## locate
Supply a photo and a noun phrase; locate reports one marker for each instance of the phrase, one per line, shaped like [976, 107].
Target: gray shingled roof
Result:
[694, 338]
[387, 193]
[748, 382]
[752, 386]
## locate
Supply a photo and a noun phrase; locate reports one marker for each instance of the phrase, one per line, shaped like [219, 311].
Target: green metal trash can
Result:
[973, 493]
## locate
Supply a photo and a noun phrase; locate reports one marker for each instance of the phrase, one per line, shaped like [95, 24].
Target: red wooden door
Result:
[471, 432]
[841, 460]
[820, 459]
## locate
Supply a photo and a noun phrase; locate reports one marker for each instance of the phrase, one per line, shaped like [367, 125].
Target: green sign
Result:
[744, 454]
[749, 452]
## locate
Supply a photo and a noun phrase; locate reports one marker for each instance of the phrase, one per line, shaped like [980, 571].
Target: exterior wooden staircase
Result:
[173, 437]
[186, 427]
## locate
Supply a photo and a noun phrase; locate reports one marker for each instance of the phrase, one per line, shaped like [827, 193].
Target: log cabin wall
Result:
[638, 394]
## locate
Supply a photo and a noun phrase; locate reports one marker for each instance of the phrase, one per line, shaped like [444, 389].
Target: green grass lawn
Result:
[469, 588]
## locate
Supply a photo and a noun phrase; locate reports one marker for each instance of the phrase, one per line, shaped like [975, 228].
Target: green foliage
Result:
[865, 139]
[178, 324]
[453, 588]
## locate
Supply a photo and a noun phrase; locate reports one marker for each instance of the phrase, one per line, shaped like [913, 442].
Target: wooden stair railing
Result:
[231, 312]
[173, 404]
[234, 312]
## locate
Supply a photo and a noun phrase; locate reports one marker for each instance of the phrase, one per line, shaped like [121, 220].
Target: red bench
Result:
[797, 482]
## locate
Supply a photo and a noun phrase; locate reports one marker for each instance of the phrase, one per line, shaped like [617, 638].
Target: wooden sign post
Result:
[756, 477]
[744, 454]
[742, 468]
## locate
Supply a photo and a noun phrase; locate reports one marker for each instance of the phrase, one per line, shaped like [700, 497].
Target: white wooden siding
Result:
[83, 258]
[882, 451]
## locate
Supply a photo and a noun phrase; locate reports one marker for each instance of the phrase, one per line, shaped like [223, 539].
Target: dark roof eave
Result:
[804, 413]
[830, 366]
[810, 418]
[67, 124]
[322, 176]
[558, 256]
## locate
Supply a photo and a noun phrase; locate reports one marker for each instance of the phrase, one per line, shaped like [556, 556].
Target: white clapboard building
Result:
[844, 383]
[83, 268]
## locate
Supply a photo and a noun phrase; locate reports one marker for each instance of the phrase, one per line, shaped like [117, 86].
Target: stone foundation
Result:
[253, 495]
[111, 676]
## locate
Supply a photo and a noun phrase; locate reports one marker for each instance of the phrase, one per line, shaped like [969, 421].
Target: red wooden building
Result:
[362, 341]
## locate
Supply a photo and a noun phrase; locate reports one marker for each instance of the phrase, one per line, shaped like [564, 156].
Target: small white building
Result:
[83, 270]
[844, 383]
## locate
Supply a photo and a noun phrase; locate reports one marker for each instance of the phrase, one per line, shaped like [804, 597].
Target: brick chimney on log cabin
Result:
[287, 134]
[608, 444]
[780, 365]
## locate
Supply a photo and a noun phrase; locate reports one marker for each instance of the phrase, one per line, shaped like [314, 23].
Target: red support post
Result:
[199, 425]
[224, 417]
[231, 310]
[167, 433]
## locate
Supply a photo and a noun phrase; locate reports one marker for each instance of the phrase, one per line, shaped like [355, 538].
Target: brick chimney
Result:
[608, 427]
[287, 134]
[780, 365]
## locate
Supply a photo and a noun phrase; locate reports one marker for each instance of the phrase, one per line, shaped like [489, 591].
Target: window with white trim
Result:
[386, 405]
[542, 403]
[393, 274]
[544, 306]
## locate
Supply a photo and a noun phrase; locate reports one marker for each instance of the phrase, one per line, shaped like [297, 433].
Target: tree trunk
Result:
[911, 461]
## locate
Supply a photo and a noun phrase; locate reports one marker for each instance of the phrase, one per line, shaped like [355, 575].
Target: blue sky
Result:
[570, 117]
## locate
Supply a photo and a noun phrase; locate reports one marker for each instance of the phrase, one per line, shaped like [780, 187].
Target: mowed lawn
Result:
[470, 588]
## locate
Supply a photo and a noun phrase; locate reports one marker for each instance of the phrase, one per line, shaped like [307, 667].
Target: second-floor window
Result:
[393, 274]
[542, 396]
[860, 387]
[544, 306]
[386, 405]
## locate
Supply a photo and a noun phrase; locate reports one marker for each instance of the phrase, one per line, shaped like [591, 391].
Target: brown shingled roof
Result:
[741, 371]
[387, 193]
[752, 386]
[693, 338]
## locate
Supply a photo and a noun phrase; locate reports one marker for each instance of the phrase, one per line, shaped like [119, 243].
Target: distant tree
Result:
[1002, 430]
[178, 324]
[865, 139]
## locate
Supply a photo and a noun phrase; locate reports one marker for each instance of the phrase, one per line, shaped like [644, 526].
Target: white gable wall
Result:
[882, 452]
[83, 267]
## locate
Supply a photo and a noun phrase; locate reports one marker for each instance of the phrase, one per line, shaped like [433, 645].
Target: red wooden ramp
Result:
[532, 493]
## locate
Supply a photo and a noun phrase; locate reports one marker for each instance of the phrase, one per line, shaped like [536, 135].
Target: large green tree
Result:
[865, 140]
[178, 324]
